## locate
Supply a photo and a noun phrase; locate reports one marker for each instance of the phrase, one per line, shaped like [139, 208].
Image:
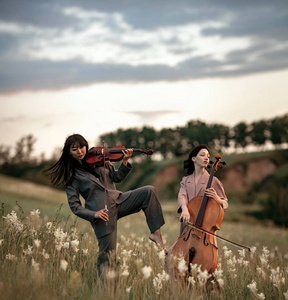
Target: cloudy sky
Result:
[93, 66]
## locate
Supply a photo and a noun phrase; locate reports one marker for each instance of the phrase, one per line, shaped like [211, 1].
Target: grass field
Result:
[58, 262]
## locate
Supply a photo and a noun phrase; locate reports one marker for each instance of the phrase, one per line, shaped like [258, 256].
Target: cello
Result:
[197, 243]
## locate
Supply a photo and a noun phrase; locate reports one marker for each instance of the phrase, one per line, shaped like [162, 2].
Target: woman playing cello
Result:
[201, 204]
[195, 183]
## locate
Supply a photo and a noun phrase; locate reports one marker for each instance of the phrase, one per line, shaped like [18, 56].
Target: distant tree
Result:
[241, 135]
[24, 149]
[279, 130]
[5, 155]
[147, 137]
[259, 132]
[166, 142]
[198, 132]
[221, 135]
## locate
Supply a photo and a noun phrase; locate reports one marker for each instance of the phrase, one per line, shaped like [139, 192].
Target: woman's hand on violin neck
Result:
[102, 214]
[127, 154]
[185, 216]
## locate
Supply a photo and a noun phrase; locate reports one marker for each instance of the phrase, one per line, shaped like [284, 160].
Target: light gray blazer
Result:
[92, 190]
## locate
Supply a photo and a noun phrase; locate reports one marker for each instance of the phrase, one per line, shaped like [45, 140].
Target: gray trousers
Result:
[144, 198]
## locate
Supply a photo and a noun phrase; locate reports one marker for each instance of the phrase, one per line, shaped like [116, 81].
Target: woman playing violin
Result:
[195, 183]
[100, 210]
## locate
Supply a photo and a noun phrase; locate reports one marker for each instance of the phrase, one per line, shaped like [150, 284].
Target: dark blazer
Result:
[92, 190]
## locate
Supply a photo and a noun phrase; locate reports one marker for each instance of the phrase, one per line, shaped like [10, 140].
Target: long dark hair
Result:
[63, 171]
[188, 163]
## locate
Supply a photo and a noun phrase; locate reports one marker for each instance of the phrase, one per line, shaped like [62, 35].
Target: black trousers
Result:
[144, 198]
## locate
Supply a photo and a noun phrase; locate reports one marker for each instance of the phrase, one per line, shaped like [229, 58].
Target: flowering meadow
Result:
[44, 258]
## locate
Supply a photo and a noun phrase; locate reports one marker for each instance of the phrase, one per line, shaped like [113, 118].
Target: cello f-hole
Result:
[204, 241]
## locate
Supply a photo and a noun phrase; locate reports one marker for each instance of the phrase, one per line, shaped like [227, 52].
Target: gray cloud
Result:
[151, 115]
[264, 22]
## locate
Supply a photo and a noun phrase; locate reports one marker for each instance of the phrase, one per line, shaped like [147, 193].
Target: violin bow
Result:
[103, 152]
[217, 236]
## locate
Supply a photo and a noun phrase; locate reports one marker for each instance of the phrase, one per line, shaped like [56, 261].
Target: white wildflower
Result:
[66, 245]
[231, 266]
[49, 226]
[125, 272]
[253, 287]
[1, 242]
[58, 246]
[286, 295]
[111, 274]
[191, 280]
[35, 265]
[203, 277]
[74, 245]
[220, 281]
[252, 251]
[37, 243]
[261, 272]
[11, 257]
[264, 257]
[128, 289]
[245, 263]
[60, 235]
[182, 266]
[261, 296]
[146, 271]
[29, 251]
[12, 221]
[74, 233]
[218, 273]
[85, 251]
[158, 281]
[63, 264]
[194, 269]
[242, 253]
[162, 254]
[227, 253]
[277, 277]
[45, 254]
[35, 212]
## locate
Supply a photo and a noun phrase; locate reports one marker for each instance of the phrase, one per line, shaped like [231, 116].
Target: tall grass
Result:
[51, 259]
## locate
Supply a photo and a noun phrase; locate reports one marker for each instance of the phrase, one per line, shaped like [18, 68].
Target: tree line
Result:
[178, 141]
[169, 142]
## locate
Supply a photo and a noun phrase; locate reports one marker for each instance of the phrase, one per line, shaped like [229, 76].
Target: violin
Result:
[197, 244]
[96, 156]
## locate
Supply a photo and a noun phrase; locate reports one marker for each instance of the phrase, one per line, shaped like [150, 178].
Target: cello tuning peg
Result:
[209, 167]
[211, 162]
[223, 163]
